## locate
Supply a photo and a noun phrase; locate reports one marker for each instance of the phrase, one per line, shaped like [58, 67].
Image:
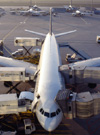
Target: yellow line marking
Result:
[25, 19]
[9, 33]
[7, 50]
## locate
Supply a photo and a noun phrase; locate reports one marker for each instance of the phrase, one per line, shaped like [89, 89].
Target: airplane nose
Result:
[52, 124]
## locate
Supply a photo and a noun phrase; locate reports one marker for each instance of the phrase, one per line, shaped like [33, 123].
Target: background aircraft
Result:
[33, 10]
[80, 14]
[70, 8]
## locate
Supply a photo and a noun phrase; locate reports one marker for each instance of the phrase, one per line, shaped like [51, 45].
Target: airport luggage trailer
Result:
[11, 105]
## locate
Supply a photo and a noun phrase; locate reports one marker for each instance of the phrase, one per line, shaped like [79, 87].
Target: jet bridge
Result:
[78, 75]
[14, 74]
[27, 42]
[81, 105]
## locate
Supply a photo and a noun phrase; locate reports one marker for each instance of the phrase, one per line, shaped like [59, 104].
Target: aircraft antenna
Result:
[50, 27]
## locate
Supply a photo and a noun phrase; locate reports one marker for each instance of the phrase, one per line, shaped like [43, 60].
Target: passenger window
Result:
[58, 111]
[46, 114]
[53, 114]
[41, 110]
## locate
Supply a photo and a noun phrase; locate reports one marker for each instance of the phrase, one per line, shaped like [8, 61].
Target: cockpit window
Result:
[58, 111]
[53, 114]
[42, 111]
[46, 114]
[50, 115]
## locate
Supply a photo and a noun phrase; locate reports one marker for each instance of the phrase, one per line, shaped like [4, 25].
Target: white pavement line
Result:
[83, 20]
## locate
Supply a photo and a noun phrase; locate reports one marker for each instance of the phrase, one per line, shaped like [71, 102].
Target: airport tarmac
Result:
[49, 3]
[88, 27]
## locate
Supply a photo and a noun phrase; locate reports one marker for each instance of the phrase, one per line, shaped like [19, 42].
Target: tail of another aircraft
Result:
[50, 29]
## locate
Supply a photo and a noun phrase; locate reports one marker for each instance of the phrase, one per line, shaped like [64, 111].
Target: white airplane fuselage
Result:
[49, 82]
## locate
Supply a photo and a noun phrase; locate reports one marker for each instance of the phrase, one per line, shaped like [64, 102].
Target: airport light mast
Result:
[91, 5]
[30, 3]
[71, 2]
[50, 27]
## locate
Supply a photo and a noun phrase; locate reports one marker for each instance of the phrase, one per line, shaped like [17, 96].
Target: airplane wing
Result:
[65, 33]
[23, 11]
[12, 11]
[37, 33]
[9, 62]
[42, 12]
[87, 13]
[82, 13]
[73, 14]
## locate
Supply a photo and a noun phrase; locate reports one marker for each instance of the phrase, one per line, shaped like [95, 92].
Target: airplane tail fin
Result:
[50, 29]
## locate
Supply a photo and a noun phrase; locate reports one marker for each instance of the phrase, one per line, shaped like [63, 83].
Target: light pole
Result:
[71, 2]
[91, 5]
[30, 3]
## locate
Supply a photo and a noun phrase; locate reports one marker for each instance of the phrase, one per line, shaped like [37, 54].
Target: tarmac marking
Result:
[59, 125]
[9, 33]
[49, 134]
[83, 20]
[57, 131]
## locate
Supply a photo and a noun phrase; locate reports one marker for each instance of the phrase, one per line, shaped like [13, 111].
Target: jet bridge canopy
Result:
[27, 41]
[78, 75]
[12, 74]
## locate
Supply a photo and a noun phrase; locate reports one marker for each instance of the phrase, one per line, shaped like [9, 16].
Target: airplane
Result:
[70, 8]
[78, 13]
[49, 79]
[33, 12]
[35, 7]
